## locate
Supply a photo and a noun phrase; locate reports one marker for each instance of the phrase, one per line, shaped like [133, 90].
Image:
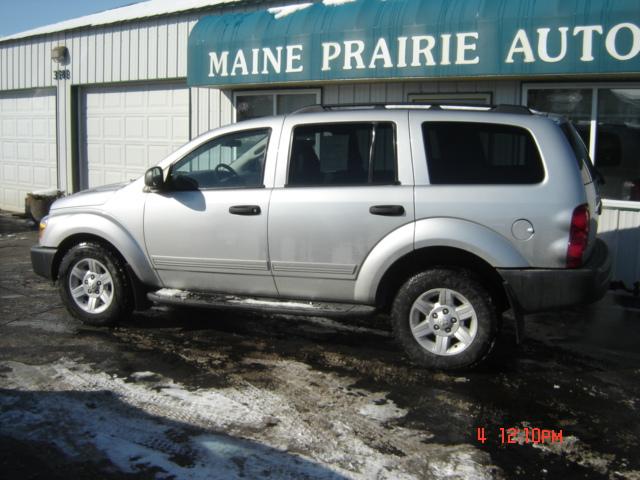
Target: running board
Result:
[168, 296]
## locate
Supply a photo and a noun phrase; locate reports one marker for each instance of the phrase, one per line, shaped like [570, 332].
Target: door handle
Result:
[245, 210]
[387, 210]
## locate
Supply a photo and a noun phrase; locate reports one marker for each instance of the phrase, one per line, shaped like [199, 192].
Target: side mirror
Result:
[154, 178]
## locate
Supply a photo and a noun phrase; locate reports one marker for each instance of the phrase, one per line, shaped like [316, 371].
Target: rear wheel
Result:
[444, 319]
[94, 285]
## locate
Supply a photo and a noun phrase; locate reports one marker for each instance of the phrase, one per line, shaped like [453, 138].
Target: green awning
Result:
[392, 39]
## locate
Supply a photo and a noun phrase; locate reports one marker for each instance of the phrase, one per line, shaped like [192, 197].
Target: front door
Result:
[207, 230]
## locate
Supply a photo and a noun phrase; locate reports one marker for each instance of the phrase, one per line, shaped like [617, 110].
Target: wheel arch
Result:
[439, 256]
[65, 231]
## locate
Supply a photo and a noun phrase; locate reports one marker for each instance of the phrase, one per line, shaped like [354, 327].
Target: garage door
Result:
[27, 146]
[128, 129]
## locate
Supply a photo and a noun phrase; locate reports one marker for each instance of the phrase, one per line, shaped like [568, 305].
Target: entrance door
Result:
[207, 230]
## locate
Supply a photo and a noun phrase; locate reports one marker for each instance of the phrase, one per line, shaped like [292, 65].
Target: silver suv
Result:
[444, 217]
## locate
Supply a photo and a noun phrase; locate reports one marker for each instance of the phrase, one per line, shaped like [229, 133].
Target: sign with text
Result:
[394, 39]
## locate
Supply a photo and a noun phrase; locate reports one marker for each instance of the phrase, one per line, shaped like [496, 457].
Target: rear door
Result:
[342, 185]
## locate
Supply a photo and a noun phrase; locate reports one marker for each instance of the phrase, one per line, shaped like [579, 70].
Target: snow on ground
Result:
[146, 422]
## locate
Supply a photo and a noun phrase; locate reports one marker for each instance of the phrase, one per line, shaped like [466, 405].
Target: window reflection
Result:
[618, 142]
[617, 131]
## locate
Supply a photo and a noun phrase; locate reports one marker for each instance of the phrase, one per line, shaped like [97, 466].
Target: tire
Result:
[94, 285]
[444, 319]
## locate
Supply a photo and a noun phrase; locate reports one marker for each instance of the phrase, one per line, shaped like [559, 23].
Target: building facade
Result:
[98, 99]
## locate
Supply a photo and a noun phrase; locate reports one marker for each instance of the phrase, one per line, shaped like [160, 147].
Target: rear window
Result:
[580, 152]
[468, 153]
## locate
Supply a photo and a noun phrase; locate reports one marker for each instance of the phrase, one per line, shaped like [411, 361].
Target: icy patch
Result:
[144, 376]
[172, 293]
[384, 412]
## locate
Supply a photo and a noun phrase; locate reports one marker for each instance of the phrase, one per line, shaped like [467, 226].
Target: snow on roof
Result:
[149, 8]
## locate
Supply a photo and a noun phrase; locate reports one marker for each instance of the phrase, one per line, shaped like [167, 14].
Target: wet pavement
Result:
[219, 394]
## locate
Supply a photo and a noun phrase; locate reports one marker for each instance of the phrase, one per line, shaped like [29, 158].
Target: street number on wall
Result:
[61, 74]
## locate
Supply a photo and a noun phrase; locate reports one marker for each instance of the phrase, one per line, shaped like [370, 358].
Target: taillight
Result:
[578, 236]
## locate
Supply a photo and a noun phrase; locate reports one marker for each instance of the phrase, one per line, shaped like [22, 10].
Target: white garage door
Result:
[128, 129]
[27, 146]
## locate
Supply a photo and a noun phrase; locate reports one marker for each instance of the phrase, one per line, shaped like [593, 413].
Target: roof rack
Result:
[502, 108]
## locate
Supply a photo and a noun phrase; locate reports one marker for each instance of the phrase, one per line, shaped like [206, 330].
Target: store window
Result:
[264, 103]
[608, 120]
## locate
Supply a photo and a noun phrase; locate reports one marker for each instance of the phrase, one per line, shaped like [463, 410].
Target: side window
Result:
[468, 153]
[343, 154]
[233, 160]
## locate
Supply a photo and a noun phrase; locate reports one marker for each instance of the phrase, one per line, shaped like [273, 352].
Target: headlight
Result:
[42, 226]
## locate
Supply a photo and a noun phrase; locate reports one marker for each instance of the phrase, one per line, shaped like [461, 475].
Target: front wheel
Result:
[444, 319]
[94, 285]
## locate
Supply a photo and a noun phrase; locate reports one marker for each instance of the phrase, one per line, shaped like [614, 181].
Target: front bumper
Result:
[536, 290]
[42, 261]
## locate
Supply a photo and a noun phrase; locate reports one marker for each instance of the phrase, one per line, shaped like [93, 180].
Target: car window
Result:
[580, 151]
[482, 154]
[343, 154]
[233, 160]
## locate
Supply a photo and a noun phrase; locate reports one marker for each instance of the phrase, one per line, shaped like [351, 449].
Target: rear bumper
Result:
[536, 290]
[42, 261]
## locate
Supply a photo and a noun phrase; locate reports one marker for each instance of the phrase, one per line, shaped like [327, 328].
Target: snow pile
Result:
[172, 293]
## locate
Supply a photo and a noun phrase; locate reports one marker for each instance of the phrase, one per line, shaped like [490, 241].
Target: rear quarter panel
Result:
[548, 205]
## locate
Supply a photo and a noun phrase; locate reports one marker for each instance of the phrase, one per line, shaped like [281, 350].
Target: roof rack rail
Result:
[503, 108]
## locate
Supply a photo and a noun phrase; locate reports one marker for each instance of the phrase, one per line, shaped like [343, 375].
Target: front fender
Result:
[464, 235]
[63, 226]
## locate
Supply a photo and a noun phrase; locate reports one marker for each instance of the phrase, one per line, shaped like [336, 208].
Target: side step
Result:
[169, 296]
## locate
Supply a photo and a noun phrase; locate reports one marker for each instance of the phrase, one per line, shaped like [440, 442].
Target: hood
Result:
[88, 198]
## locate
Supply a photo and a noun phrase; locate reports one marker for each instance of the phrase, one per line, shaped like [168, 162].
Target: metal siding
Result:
[74, 53]
[162, 50]
[3, 68]
[378, 93]
[203, 114]
[125, 53]
[84, 59]
[100, 53]
[134, 54]
[143, 60]
[619, 228]
[42, 60]
[108, 56]
[13, 72]
[172, 49]
[91, 58]
[214, 108]
[183, 37]
[152, 53]
[226, 107]
[331, 94]
[48, 67]
[116, 54]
